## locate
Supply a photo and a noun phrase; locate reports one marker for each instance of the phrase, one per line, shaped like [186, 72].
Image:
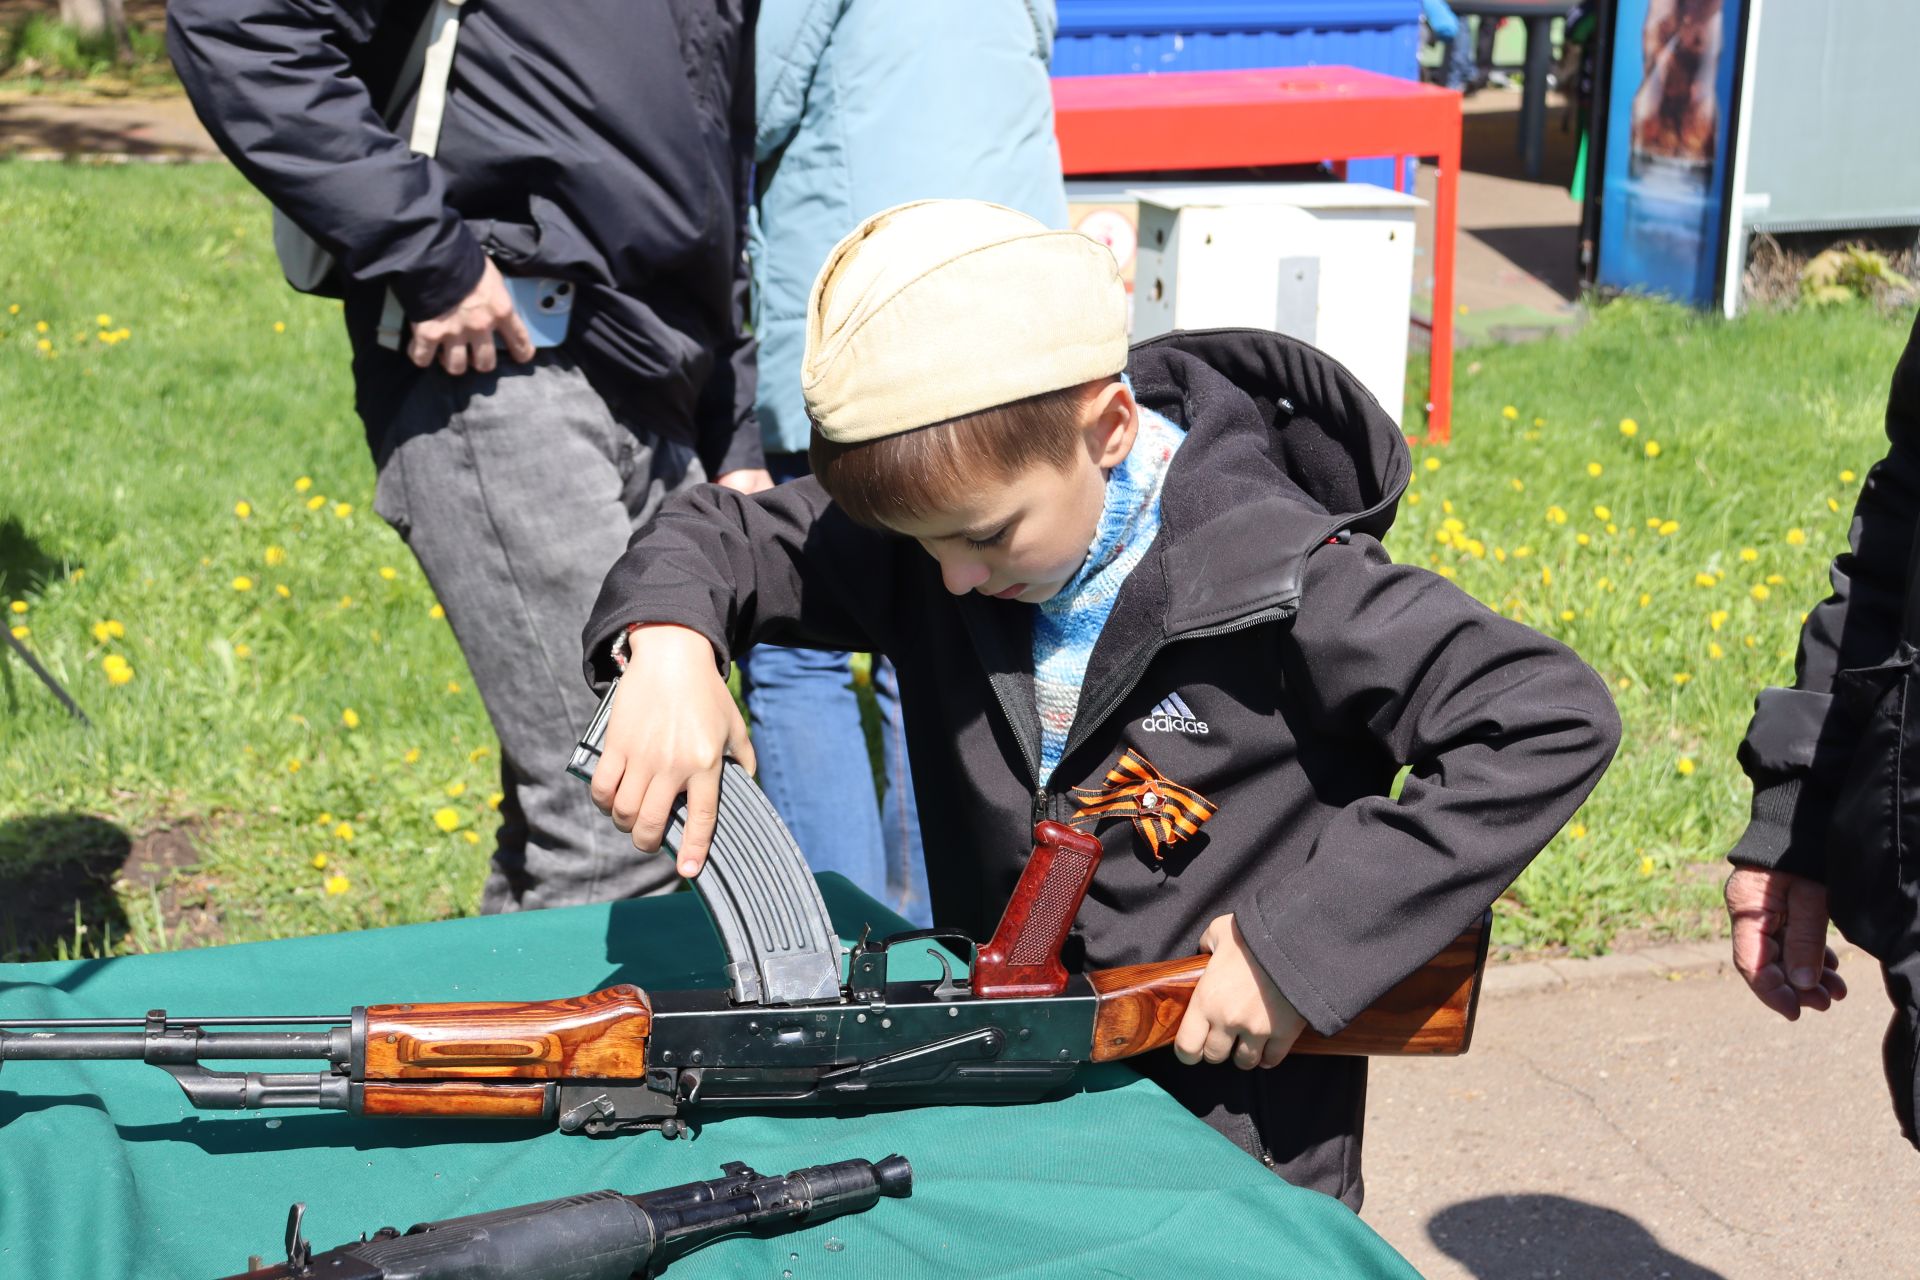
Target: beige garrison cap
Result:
[941, 308]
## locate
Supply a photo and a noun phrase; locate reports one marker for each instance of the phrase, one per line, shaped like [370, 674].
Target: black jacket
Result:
[1268, 606]
[605, 141]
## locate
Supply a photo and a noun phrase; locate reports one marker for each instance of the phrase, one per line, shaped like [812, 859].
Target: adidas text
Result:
[1173, 724]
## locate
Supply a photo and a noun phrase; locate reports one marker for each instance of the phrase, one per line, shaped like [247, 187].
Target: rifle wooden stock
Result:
[1429, 1013]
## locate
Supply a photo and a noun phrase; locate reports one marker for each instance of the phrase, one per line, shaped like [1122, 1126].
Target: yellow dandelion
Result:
[1623, 684]
[1522, 552]
[1443, 536]
[303, 484]
[1685, 766]
[101, 632]
[13, 308]
[40, 326]
[1475, 548]
[446, 819]
[1594, 469]
[1431, 464]
[436, 612]
[1446, 506]
[1603, 513]
[282, 590]
[1413, 499]
[1612, 528]
[1846, 477]
[316, 502]
[343, 831]
[279, 326]
[350, 718]
[1796, 537]
[1445, 571]
[1582, 538]
[22, 632]
[337, 885]
[1556, 515]
[243, 583]
[104, 320]
[478, 754]
[1500, 554]
[456, 789]
[1749, 554]
[1519, 485]
[453, 686]
[412, 756]
[275, 556]
[243, 651]
[1578, 831]
[19, 606]
[494, 800]
[1566, 615]
[1653, 449]
[293, 766]
[1453, 524]
[343, 509]
[1752, 642]
[346, 602]
[44, 345]
[243, 509]
[388, 572]
[1646, 865]
[319, 862]
[471, 837]
[1705, 580]
[1760, 591]
[1669, 527]
[1539, 422]
[1775, 580]
[1832, 505]
[1715, 652]
[1629, 428]
[324, 820]
[1718, 618]
[1546, 577]
[1510, 413]
[1681, 677]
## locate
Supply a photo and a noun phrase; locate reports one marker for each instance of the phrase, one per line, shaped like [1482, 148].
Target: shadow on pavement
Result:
[1521, 1237]
[1546, 253]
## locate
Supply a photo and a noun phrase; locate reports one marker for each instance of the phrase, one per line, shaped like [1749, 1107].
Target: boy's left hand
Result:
[1236, 1011]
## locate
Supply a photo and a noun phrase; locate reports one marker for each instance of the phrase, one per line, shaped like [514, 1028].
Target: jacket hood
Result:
[1285, 449]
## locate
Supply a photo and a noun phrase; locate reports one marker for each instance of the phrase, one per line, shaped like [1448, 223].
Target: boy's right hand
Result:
[672, 726]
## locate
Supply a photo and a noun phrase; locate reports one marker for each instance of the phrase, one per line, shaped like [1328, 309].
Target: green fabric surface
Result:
[105, 1170]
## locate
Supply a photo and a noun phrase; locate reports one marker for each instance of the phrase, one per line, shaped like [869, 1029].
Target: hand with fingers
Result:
[1236, 1012]
[464, 336]
[673, 724]
[1780, 940]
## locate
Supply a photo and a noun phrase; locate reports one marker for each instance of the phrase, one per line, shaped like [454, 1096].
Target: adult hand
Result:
[672, 726]
[1780, 940]
[1236, 1011]
[746, 480]
[463, 337]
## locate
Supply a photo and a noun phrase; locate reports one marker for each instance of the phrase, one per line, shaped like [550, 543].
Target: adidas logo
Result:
[1173, 715]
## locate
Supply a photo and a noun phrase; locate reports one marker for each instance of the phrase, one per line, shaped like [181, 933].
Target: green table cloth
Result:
[105, 1170]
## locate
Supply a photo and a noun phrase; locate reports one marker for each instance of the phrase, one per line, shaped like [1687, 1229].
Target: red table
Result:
[1285, 115]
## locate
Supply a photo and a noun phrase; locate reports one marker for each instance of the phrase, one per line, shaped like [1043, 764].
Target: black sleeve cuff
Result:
[1784, 833]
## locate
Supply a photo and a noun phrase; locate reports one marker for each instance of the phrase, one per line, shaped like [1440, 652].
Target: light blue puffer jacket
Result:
[865, 104]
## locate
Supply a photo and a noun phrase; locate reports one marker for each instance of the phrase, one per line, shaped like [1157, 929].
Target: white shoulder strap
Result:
[432, 60]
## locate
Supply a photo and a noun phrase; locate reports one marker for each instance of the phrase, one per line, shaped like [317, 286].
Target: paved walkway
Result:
[1644, 1116]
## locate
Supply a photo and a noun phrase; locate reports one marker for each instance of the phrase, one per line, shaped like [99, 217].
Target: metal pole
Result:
[46, 678]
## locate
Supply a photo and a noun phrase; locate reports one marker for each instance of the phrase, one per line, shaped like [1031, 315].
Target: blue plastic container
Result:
[1133, 37]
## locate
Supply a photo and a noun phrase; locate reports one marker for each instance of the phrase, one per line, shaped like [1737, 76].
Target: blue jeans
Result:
[813, 762]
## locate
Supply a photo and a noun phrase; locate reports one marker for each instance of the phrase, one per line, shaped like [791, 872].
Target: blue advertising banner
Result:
[1669, 123]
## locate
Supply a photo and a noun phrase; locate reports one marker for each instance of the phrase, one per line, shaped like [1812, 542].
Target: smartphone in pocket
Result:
[545, 306]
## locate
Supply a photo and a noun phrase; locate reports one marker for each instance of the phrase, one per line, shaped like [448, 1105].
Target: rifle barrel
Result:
[271, 1020]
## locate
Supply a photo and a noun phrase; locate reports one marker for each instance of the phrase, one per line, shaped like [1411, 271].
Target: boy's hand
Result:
[672, 726]
[1236, 1011]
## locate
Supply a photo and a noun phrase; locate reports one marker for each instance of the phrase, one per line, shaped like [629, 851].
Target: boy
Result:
[1177, 565]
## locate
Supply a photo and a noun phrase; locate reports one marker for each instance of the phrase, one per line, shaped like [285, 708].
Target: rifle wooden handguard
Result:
[1430, 1013]
[602, 1035]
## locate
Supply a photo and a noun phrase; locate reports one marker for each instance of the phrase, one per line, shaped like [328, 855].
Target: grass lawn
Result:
[185, 515]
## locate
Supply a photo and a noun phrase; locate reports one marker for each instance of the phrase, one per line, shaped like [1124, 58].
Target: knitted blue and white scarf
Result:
[1066, 626]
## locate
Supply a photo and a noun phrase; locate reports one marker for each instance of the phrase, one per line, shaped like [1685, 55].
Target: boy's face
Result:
[1026, 537]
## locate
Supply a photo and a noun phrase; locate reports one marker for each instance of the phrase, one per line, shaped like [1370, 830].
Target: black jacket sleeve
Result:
[1798, 739]
[1505, 730]
[778, 567]
[729, 426]
[275, 84]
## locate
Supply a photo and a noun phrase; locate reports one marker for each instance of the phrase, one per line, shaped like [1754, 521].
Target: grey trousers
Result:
[516, 491]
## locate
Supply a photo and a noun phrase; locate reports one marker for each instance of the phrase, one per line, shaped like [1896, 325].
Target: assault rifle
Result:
[787, 1031]
[601, 1235]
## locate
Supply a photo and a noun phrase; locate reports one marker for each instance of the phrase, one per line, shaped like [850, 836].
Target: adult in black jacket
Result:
[604, 142]
[1832, 814]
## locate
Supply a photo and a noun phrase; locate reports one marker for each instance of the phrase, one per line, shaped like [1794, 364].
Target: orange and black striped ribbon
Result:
[1162, 810]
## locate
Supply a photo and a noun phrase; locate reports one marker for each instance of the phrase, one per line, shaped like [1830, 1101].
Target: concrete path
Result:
[1644, 1116]
[50, 126]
